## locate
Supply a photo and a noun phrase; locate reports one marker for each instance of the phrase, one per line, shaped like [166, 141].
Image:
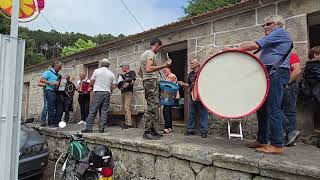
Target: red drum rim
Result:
[240, 116]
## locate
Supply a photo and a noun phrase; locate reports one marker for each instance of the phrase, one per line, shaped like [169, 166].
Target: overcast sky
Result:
[107, 16]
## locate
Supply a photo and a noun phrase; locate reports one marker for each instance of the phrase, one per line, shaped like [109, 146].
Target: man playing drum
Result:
[274, 46]
[195, 106]
[149, 71]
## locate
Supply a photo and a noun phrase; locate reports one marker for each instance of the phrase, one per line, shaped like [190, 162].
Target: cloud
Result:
[106, 16]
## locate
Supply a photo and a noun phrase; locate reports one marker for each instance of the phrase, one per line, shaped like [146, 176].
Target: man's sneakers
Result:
[270, 149]
[155, 133]
[188, 133]
[81, 122]
[125, 126]
[86, 131]
[292, 137]
[101, 130]
[204, 135]
[150, 135]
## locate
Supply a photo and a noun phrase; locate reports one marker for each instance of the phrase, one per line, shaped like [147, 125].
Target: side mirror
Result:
[29, 120]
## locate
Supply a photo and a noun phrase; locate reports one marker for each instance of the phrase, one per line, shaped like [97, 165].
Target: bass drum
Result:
[232, 84]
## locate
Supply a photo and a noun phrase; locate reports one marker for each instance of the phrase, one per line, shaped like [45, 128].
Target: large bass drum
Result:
[232, 84]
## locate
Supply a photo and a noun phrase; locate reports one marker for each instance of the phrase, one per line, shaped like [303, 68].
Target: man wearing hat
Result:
[126, 87]
[103, 82]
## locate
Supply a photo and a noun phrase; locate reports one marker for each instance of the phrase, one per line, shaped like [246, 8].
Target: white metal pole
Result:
[14, 18]
[10, 97]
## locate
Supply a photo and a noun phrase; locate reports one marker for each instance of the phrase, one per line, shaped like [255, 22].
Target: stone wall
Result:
[179, 157]
[203, 39]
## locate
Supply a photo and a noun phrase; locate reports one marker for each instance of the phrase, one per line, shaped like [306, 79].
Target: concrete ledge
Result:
[179, 156]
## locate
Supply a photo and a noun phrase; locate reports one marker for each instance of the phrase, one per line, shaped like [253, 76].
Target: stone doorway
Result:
[178, 54]
[313, 20]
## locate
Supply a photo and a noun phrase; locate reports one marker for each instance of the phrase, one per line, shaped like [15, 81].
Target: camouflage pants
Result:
[151, 88]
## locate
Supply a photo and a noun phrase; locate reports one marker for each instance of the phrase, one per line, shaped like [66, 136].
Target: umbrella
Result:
[28, 8]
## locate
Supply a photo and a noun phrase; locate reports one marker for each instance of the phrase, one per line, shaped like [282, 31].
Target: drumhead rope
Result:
[232, 84]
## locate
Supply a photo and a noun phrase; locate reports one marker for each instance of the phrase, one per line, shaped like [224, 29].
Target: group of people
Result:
[56, 101]
[59, 100]
[276, 117]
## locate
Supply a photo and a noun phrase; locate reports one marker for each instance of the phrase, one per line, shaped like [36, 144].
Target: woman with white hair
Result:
[275, 49]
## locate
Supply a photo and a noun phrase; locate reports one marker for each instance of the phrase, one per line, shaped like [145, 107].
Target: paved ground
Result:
[302, 158]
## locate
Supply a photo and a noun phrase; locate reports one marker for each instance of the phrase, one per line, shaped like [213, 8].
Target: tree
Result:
[79, 45]
[41, 45]
[195, 7]
[4, 25]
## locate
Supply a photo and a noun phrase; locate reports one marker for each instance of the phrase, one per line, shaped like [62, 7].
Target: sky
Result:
[106, 16]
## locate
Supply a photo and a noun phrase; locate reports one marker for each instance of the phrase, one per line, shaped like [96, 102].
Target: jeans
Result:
[167, 116]
[289, 107]
[101, 100]
[44, 113]
[196, 108]
[66, 105]
[55, 107]
[84, 100]
[270, 114]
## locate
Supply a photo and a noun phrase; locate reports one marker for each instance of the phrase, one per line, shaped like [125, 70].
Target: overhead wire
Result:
[134, 17]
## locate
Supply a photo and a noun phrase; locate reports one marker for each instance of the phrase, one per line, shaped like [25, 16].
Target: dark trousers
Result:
[167, 115]
[84, 100]
[270, 114]
[289, 101]
[67, 102]
[101, 100]
[55, 107]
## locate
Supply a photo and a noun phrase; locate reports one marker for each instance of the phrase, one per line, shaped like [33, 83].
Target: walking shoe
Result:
[270, 149]
[188, 133]
[204, 135]
[86, 131]
[166, 131]
[81, 122]
[101, 130]
[127, 127]
[53, 127]
[155, 133]
[255, 144]
[150, 136]
[292, 137]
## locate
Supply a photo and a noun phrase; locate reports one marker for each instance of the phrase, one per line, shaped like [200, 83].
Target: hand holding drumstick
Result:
[168, 61]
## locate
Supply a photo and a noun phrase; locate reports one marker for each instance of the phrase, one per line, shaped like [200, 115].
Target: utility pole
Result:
[11, 83]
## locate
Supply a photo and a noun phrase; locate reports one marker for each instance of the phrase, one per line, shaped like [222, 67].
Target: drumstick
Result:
[168, 56]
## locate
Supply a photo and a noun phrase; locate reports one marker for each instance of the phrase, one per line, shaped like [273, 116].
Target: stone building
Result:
[200, 37]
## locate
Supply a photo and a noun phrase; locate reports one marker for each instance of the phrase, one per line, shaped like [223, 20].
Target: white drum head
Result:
[232, 84]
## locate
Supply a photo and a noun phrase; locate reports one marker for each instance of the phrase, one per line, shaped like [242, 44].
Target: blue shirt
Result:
[274, 46]
[50, 76]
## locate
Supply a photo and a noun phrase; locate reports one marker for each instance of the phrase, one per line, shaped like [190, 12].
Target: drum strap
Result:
[278, 64]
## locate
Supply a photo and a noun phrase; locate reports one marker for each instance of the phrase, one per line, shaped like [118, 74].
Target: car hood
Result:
[29, 136]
